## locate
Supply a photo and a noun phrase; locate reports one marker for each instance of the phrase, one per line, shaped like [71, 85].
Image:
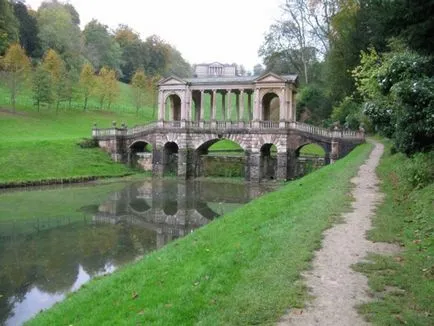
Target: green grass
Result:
[37, 146]
[403, 286]
[241, 269]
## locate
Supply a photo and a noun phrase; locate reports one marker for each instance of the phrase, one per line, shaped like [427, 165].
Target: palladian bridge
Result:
[254, 112]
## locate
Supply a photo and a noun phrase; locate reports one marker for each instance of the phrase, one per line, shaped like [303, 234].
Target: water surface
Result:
[53, 240]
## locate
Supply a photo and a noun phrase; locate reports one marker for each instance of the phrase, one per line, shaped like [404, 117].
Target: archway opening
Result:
[268, 162]
[270, 107]
[140, 155]
[219, 158]
[310, 157]
[195, 114]
[170, 159]
[173, 108]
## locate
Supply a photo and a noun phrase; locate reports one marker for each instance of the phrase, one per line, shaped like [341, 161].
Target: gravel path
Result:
[336, 288]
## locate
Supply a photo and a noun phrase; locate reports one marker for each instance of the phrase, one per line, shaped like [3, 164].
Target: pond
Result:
[53, 240]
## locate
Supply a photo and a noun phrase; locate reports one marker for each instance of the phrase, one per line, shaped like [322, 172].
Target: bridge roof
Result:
[268, 77]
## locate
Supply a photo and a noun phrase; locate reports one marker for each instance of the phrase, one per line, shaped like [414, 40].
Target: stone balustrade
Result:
[226, 126]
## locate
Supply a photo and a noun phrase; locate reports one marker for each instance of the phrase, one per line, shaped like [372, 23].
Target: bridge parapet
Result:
[225, 127]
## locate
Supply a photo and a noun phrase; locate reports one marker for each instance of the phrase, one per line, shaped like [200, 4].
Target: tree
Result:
[28, 30]
[87, 83]
[15, 68]
[8, 26]
[258, 69]
[42, 87]
[398, 93]
[58, 31]
[107, 86]
[101, 48]
[139, 86]
[54, 64]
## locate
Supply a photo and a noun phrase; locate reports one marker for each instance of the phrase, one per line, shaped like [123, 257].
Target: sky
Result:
[203, 31]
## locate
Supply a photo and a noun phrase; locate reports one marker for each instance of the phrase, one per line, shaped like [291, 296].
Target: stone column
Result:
[253, 166]
[334, 155]
[241, 105]
[237, 101]
[213, 104]
[229, 113]
[185, 163]
[291, 164]
[249, 105]
[224, 106]
[157, 162]
[256, 110]
[202, 107]
[161, 105]
[184, 99]
[282, 166]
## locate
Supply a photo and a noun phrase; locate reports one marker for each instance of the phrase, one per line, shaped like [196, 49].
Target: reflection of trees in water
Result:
[50, 259]
[130, 223]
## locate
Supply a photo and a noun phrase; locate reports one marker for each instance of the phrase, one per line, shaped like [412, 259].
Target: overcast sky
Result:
[202, 30]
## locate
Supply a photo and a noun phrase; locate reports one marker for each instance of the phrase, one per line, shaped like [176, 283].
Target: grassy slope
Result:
[241, 269]
[35, 146]
[404, 285]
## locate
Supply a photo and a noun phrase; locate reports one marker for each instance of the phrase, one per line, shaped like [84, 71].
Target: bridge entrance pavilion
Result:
[236, 99]
[257, 113]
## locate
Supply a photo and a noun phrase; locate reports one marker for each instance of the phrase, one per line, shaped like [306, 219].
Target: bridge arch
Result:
[173, 102]
[320, 146]
[270, 106]
[268, 161]
[170, 158]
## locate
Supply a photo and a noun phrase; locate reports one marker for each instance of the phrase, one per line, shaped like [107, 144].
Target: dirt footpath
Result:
[336, 288]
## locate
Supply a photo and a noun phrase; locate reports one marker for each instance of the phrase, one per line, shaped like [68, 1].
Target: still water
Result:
[53, 240]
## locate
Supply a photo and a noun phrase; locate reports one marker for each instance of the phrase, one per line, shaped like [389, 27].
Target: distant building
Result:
[215, 69]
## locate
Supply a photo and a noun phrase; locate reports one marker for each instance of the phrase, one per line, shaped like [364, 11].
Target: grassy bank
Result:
[403, 286]
[241, 269]
[44, 146]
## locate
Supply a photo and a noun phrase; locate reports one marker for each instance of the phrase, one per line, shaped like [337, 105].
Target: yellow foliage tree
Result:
[53, 63]
[139, 86]
[87, 82]
[108, 88]
[15, 68]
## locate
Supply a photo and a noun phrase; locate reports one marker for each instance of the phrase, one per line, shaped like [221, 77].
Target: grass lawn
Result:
[403, 286]
[39, 146]
[241, 269]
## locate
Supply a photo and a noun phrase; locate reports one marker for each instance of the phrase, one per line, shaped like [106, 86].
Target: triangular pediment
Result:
[172, 80]
[269, 78]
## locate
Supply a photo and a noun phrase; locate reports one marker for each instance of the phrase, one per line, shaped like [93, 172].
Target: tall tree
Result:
[8, 26]
[54, 64]
[87, 83]
[58, 31]
[42, 87]
[107, 86]
[28, 31]
[15, 70]
[101, 48]
[138, 84]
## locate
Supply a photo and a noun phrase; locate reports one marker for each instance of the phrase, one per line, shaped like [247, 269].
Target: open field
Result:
[241, 269]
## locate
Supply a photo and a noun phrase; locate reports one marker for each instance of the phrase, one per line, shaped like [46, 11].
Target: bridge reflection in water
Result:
[44, 258]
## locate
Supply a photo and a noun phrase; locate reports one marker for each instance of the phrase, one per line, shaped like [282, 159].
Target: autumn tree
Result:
[139, 86]
[42, 87]
[107, 87]
[87, 83]
[15, 70]
[54, 64]
[8, 26]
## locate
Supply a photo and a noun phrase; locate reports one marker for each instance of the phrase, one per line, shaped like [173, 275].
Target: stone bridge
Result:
[189, 140]
[255, 112]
